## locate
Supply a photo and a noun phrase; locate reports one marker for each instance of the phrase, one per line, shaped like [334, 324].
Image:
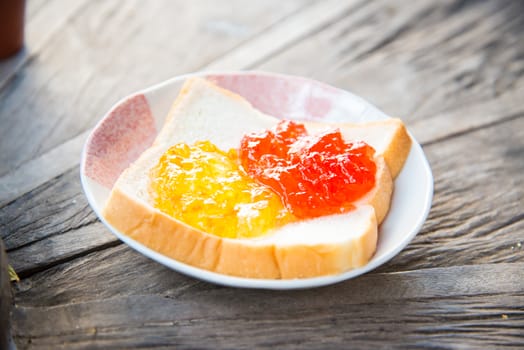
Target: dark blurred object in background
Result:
[11, 27]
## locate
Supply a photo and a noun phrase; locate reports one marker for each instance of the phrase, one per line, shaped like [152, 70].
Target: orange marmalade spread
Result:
[275, 177]
[205, 188]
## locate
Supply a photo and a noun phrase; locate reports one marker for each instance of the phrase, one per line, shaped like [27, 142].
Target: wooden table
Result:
[453, 70]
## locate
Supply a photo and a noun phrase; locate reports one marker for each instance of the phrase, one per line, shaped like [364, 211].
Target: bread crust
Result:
[253, 258]
[248, 257]
[398, 151]
[380, 196]
[235, 257]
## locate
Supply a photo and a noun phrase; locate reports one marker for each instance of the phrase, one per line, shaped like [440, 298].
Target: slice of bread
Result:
[315, 247]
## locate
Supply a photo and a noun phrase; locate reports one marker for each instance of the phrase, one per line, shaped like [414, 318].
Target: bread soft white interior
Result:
[315, 247]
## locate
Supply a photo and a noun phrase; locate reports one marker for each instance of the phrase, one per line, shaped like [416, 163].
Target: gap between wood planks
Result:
[473, 128]
[40, 268]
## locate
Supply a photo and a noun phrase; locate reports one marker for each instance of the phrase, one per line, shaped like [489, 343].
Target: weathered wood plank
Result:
[60, 247]
[110, 50]
[417, 60]
[38, 171]
[448, 322]
[438, 127]
[57, 207]
[453, 68]
[478, 207]
[430, 307]
[52, 224]
[284, 34]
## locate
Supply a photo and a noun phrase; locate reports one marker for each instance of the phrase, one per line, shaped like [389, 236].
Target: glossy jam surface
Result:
[205, 188]
[314, 175]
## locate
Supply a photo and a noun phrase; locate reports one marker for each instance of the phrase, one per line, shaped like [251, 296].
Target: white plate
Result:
[130, 126]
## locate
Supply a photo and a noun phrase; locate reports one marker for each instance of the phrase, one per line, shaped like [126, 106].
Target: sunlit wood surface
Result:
[452, 70]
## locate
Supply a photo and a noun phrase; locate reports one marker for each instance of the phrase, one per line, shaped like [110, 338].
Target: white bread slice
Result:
[203, 111]
[189, 121]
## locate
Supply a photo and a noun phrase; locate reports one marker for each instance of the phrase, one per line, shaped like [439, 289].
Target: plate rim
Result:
[256, 283]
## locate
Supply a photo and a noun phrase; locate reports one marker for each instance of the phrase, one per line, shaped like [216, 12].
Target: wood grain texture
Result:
[284, 34]
[444, 323]
[54, 208]
[453, 70]
[417, 60]
[51, 224]
[415, 308]
[39, 170]
[477, 214]
[120, 271]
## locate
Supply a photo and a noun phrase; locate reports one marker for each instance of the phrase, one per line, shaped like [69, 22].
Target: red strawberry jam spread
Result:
[314, 175]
